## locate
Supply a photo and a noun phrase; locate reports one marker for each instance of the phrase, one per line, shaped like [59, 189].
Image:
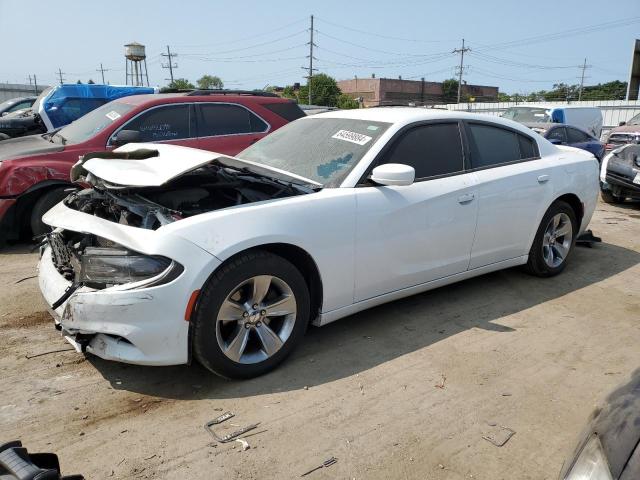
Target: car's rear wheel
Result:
[554, 241]
[46, 201]
[609, 197]
[250, 315]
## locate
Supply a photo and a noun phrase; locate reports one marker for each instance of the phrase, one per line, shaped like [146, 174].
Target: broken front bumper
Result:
[143, 325]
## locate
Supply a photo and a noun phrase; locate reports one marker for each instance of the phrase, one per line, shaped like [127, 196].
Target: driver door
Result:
[409, 235]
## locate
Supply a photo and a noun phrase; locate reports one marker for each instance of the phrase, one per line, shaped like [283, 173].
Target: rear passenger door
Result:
[514, 187]
[228, 128]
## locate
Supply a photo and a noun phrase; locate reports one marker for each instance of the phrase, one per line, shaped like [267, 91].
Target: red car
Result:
[34, 170]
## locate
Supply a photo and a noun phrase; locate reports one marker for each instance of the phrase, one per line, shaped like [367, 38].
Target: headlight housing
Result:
[103, 267]
[591, 463]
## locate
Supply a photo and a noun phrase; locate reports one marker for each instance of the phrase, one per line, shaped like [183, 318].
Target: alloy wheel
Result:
[256, 319]
[557, 239]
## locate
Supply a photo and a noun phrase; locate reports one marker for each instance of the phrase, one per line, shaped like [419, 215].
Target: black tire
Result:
[224, 282]
[46, 201]
[537, 265]
[609, 197]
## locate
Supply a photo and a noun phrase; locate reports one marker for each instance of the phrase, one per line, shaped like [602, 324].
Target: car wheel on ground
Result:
[4, 136]
[554, 241]
[42, 206]
[250, 315]
[609, 197]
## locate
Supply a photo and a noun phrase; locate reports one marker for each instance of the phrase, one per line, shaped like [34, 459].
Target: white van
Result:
[588, 119]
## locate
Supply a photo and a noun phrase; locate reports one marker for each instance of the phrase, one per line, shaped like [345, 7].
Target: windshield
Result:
[527, 114]
[320, 149]
[634, 120]
[94, 122]
[36, 105]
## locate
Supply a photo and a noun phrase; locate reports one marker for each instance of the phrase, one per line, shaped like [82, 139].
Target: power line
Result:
[388, 37]
[461, 51]
[286, 37]
[170, 64]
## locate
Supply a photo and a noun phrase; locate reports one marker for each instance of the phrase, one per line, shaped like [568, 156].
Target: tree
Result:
[347, 102]
[450, 90]
[289, 92]
[209, 81]
[181, 84]
[91, 82]
[324, 91]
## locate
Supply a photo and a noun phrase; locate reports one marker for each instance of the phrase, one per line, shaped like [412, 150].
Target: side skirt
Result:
[333, 315]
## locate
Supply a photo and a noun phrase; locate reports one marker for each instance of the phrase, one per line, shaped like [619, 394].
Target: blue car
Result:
[561, 134]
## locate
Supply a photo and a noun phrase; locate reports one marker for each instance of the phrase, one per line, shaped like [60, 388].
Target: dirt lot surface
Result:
[406, 390]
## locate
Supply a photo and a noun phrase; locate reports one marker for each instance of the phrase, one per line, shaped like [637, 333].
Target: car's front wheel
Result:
[250, 315]
[554, 241]
[609, 197]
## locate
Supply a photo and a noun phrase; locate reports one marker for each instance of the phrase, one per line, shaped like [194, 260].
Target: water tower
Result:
[136, 64]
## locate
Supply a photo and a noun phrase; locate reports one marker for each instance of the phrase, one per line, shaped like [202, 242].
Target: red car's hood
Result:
[26, 146]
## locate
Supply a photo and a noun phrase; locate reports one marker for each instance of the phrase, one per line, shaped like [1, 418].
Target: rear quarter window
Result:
[492, 145]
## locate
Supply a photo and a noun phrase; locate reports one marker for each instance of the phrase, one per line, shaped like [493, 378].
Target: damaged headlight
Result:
[591, 464]
[100, 267]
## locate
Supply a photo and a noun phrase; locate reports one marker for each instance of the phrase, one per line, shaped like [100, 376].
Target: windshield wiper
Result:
[63, 140]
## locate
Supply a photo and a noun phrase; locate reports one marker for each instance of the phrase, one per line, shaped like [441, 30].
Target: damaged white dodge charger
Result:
[176, 253]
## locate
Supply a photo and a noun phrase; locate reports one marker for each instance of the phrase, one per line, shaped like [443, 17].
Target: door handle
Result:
[466, 198]
[543, 178]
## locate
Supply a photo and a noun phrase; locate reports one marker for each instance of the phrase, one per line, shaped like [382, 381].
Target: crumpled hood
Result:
[171, 162]
[25, 146]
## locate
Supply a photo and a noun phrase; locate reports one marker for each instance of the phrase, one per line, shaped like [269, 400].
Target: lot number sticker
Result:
[352, 137]
[112, 115]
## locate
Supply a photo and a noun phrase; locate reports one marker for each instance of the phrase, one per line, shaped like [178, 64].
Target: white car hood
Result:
[171, 162]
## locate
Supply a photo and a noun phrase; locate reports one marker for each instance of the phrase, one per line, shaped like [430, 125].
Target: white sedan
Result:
[177, 253]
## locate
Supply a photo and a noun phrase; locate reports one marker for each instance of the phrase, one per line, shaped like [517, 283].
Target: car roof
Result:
[161, 98]
[406, 115]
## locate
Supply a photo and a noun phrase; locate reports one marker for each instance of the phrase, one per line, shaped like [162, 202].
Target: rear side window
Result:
[558, 134]
[169, 122]
[225, 119]
[430, 149]
[576, 136]
[492, 146]
[290, 111]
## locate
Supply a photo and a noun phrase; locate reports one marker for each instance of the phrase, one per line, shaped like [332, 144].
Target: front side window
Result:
[491, 146]
[431, 150]
[20, 106]
[225, 119]
[170, 122]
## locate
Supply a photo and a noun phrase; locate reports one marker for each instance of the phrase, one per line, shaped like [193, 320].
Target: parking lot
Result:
[406, 390]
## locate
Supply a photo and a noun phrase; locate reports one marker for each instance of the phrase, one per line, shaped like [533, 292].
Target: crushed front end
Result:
[623, 172]
[120, 292]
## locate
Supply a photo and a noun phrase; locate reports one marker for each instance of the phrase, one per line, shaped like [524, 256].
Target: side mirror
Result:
[393, 174]
[622, 124]
[555, 141]
[125, 136]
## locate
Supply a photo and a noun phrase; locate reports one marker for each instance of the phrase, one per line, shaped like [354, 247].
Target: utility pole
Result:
[102, 70]
[461, 51]
[60, 73]
[170, 65]
[584, 67]
[311, 69]
[35, 84]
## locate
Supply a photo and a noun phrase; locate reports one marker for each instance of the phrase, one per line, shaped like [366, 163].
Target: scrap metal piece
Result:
[230, 436]
[326, 463]
[587, 239]
[499, 436]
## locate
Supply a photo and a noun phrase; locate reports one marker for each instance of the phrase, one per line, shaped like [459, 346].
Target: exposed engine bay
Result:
[208, 188]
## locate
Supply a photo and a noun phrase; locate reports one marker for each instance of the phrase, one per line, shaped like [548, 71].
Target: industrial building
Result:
[388, 91]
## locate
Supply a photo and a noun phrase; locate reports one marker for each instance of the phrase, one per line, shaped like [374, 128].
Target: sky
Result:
[515, 45]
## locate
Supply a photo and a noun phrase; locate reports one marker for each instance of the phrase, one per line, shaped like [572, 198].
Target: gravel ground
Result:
[406, 390]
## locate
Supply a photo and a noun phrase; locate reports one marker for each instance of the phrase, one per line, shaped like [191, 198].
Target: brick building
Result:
[386, 91]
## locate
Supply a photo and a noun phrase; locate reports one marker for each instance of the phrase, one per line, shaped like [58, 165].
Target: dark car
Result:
[625, 133]
[622, 175]
[34, 170]
[15, 104]
[609, 448]
[560, 134]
